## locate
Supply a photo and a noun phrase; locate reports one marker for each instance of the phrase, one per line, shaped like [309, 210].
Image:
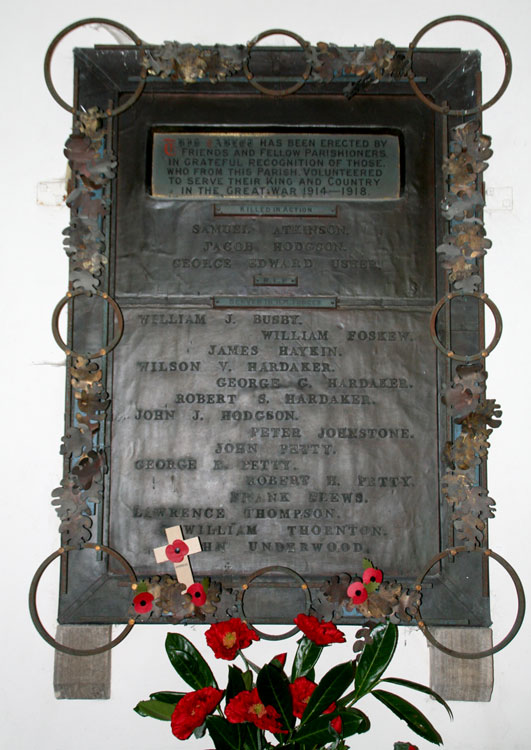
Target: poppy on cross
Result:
[177, 551]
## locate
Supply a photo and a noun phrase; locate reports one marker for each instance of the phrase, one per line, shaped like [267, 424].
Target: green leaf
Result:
[155, 709]
[411, 715]
[316, 732]
[354, 721]
[225, 736]
[330, 688]
[248, 679]
[367, 564]
[273, 689]
[236, 682]
[188, 662]
[167, 696]
[421, 689]
[305, 659]
[250, 736]
[375, 658]
[200, 731]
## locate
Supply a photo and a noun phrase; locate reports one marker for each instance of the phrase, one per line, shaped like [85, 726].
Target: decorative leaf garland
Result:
[81, 488]
[192, 63]
[465, 398]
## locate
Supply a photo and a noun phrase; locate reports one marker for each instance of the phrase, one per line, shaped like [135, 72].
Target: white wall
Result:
[34, 274]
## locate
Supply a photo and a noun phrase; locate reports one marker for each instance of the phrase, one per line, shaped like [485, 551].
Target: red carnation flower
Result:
[337, 724]
[143, 602]
[372, 575]
[192, 710]
[281, 658]
[301, 691]
[197, 592]
[247, 706]
[321, 633]
[227, 638]
[177, 551]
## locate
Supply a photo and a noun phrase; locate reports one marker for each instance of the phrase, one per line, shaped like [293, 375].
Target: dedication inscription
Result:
[275, 166]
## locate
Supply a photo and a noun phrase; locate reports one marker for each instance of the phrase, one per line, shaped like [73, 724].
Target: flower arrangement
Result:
[277, 711]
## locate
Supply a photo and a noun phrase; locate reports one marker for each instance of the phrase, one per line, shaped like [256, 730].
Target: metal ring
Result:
[270, 569]
[101, 352]
[33, 602]
[84, 22]
[473, 110]
[466, 357]
[264, 89]
[519, 615]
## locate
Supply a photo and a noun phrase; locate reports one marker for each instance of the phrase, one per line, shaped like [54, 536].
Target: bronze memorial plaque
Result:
[276, 391]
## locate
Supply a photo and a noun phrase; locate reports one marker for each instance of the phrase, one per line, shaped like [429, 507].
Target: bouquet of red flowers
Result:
[277, 711]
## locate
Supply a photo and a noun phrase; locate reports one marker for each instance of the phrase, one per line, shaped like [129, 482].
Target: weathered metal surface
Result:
[301, 437]
[174, 263]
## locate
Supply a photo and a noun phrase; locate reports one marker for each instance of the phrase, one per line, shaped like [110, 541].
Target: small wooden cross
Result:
[183, 571]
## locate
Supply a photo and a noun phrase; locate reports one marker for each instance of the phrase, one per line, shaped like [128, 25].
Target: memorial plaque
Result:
[276, 392]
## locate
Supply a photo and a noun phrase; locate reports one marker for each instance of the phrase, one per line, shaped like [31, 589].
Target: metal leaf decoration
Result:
[408, 605]
[76, 529]
[336, 590]
[93, 402]
[76, 441]
[380, 603]
[226, 607]
[85, 374]
[323, 608]
[89, 467]
[173, 601]
[363, 636]
[81, 279]
[463, 395]
[67, 500]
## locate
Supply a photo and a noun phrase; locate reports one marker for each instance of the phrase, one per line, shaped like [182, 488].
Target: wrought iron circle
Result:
[101, 352]
[453, 551]
[263, 571]
[264, 89]
[35, 614]
[445, 110]
[76, 25]
[477, 355]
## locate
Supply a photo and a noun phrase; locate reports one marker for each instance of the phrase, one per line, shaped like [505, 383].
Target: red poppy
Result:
[301, 690]
[281, 658]
[247, 706]
[372, 575]
[192, 710]
[197, 592]
[321, 633]
[337, 724]
[227, 638]
[357, 592]
[177, 551]
[143, 602]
